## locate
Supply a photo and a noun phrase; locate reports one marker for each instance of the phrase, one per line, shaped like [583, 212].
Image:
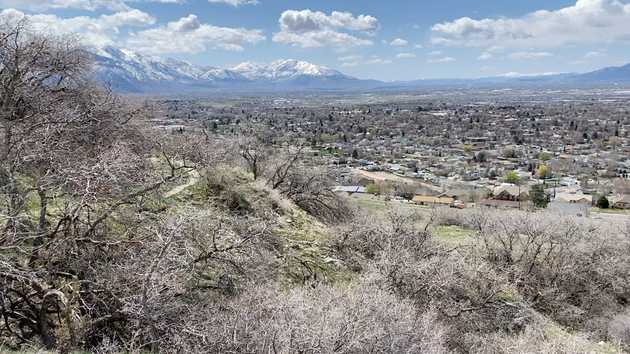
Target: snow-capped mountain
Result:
[128, 71]
[217, 74]
[285, 69]
[133, 66]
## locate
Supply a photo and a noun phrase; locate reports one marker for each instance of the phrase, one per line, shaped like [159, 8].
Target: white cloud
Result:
[188, 35]
[529, 55]
[168, 1]
[312, 29]
[587, 21]
[441, 60]
[435, 53]
[350, 61]
[594, 54]
[589, 57]
[348, 58]
[135, 18]
[97, 31]
[235, 3]
[399, 42]
[320, 39]
[577, 62]
[350, 64]
[356, 60]
[43, 5]
[378, 61]
[418, 46]
[85, 5]
[405, 55]
[305, 21]
[485, 56]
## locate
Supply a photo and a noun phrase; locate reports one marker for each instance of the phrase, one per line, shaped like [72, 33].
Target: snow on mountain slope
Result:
[129, 71]
[285, 69]
[252, 71]
[134, 66]
[292, 68]
[217, 74]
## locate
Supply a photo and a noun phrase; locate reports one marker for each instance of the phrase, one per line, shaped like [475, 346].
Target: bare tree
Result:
[255, 153]
[284, 165]
[71, 154]
[311, 190]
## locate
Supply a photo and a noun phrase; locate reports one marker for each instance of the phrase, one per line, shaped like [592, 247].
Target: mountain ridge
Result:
[130, 72]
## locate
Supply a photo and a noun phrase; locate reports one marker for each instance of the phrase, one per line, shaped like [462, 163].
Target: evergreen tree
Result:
[539, 197]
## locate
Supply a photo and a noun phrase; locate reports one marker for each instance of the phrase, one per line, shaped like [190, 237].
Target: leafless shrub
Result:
[373, 237]
[451, 217]
[182, 153]
[619, 329]
[473, 219]
[64, 143]
[283, 170]
[569, 269]
[233, 189]
[172, 269]
[319, 320]
[311, 190]
[539, 337]
[223, 178]
[469, 295]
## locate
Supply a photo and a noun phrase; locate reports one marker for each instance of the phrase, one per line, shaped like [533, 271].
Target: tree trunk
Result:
[41, 225]
[45, 332]
[43, 208]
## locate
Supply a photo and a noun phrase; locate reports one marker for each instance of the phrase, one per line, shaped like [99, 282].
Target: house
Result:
[620, 201]
[571, 203]
[432, 200]
[510, 192]
[574, 198]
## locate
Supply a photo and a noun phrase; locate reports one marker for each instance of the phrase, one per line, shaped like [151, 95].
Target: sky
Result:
[370, 39]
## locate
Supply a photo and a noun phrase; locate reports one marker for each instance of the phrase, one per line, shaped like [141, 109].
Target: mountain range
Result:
[129, 72]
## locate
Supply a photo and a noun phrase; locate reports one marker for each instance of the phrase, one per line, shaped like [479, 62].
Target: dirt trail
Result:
[192, 180]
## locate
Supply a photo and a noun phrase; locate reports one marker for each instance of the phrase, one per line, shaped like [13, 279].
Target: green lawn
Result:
[373, 203]
[452, 234]
[370, 202]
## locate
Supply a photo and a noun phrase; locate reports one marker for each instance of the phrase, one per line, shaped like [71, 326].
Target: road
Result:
[381, 176]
